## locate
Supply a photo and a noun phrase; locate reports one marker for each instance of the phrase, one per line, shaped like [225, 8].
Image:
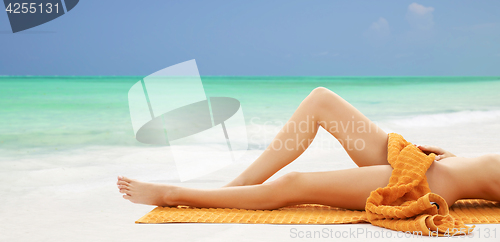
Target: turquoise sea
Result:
[44, 114]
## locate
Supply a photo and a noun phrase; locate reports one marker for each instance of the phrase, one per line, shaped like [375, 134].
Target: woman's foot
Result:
[146, 193]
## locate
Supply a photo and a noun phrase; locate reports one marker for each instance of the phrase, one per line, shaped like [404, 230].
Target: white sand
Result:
[72, 196]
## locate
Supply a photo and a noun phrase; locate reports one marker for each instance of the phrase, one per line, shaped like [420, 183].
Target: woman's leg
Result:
[343, 188]
[364, 141]
[451, 178]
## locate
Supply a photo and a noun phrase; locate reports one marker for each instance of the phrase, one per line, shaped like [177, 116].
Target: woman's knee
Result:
[284, 190]
[321, 97]
[321, 92]
[287, 182]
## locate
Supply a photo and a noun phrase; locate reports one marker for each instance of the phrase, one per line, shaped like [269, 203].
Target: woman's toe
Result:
[126, 179]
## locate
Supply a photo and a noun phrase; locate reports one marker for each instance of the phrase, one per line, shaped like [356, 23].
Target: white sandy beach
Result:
[71, 195]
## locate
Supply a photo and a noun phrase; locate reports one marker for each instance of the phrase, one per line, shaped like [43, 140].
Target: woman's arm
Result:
[440, 152]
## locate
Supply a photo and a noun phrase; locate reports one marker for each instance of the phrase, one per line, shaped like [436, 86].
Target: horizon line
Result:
[249, 76]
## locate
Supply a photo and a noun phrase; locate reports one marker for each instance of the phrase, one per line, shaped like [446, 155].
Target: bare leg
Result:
[344, 188]
[364, 141]
[452, 178]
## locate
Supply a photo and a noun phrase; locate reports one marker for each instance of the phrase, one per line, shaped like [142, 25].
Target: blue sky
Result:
[278, 38]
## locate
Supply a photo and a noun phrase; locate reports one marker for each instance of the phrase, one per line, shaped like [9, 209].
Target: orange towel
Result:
[406, 203]
[469, 211]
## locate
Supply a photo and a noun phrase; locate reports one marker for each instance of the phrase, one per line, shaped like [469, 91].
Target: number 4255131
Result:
[32, 8]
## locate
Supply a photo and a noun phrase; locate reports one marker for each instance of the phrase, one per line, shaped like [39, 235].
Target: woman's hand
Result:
[440, 152]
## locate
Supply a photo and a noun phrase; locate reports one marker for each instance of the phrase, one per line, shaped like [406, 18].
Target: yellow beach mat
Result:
[469, 211]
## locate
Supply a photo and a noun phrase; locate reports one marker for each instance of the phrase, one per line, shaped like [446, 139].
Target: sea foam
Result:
[447, 119]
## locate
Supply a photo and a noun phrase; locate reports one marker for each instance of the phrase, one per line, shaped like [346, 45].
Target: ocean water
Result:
[43, 115]
[63, 141]
[46, 120]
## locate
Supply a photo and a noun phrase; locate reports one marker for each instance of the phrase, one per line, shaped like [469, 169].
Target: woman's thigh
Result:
[363, 140]
[351, 187]
[341, 188]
